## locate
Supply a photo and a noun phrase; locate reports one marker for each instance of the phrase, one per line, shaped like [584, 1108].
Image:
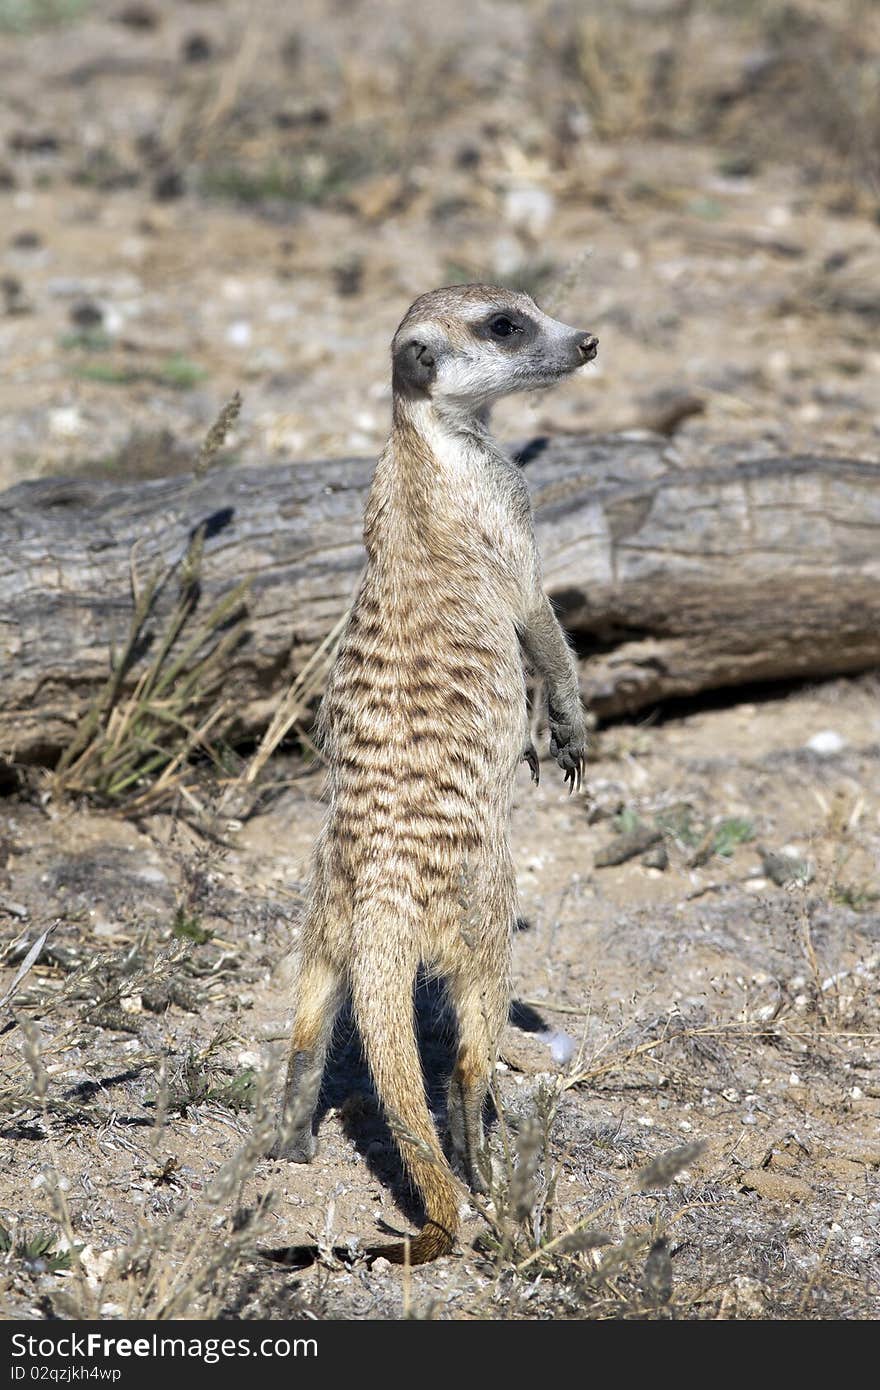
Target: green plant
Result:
[179, 372]
[730, 832]
[22, 16]
[176, 372]
[626, 821]
[189, 928]
[313, 176]
[86, 340]
[38, 1250]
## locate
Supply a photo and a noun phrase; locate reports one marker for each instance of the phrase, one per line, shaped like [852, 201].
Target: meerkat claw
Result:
[530, 756]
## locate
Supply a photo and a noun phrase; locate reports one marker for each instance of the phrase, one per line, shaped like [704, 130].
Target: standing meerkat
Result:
[423, 724]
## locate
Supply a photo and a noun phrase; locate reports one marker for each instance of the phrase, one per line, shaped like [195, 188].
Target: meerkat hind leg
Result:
[320, 991]
[481, 1014]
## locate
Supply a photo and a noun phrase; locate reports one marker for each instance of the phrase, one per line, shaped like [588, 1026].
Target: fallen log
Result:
[672, 581]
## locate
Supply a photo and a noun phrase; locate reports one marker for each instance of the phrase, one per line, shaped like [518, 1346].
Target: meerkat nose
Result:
[588, 346]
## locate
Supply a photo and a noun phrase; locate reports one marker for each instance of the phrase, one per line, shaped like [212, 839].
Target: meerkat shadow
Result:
[347, 1087]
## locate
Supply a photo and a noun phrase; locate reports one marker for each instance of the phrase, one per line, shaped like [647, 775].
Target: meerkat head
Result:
[467, 345]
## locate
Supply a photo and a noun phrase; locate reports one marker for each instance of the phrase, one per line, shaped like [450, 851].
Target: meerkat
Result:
[423, 724]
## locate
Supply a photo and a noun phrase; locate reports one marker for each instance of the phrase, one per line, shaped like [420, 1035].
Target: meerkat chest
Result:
[481, 495]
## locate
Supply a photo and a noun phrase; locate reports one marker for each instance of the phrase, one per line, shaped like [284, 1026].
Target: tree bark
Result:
[672, 581]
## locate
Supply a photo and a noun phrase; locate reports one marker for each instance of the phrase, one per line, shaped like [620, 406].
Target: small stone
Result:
[826, 743]
[656, 858]
[86, 314]
[628, 845]
[744, 1298]
[348, 276]
[65, 422]
[561, 1046]
[14, 299]
[32, 141]
[197, 48]
[169, 184]
[786, 869]
[468, 156]
[239, 334]
[138, 16]
[96, 1264]
[529, 209]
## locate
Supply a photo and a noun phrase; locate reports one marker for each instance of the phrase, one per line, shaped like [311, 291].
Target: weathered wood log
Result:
[673, 581]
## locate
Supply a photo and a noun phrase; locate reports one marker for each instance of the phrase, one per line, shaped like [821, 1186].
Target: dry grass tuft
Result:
[133, 745]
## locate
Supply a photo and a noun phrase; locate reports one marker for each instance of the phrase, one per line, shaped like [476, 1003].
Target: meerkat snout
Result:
[588, 346]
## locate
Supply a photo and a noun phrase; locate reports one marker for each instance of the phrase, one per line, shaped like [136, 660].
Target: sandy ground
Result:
[703, 1003]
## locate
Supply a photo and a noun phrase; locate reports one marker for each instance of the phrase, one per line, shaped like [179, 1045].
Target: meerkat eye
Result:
[502, 327]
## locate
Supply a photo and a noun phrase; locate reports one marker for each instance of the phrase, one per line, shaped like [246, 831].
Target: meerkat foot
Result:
[474, 1169]
[467, 1141]
[294, 1148]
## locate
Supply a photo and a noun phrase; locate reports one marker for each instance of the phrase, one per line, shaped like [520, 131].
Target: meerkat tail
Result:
[384, 1012]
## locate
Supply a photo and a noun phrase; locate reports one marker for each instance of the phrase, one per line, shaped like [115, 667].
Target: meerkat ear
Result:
[413, 368]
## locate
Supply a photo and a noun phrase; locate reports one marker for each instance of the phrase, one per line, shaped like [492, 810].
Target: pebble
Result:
[65, 422]
[85, 313]
[560, 1044]
[656, 858]
[786, 867]
[506, 255]
[627, 846]
[826, 743]
[239, 334]
[529, 209]
[96, 1264]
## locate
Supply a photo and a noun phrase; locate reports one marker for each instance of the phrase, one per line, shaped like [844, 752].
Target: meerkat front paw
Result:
[568, 745]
